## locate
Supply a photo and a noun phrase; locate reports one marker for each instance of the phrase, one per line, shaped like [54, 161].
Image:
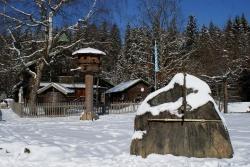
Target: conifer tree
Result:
[135, 59]
[115, 37]
[191, 32]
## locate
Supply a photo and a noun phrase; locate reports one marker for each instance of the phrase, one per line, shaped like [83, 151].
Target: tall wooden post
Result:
[225, 95]
[89, 96]
[89, 63]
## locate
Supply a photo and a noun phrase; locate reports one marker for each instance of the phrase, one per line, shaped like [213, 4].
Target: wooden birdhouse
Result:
[89, 59]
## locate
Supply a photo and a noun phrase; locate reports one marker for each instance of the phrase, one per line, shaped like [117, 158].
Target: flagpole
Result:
[155, 81]
[156, 69]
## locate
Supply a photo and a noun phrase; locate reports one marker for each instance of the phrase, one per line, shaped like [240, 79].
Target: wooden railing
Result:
[69, 109]
[121, 108]
[48, 109]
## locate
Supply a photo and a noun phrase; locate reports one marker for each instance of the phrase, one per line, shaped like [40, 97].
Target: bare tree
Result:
[39, 19]
[163, 20]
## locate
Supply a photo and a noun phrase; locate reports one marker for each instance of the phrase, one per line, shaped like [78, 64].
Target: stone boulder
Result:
[162, 128]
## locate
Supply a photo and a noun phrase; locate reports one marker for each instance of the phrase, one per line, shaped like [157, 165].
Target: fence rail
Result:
[122, 108]
[69, 109]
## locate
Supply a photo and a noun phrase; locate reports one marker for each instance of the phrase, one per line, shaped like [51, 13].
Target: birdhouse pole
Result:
[89, 64]
[89, 95]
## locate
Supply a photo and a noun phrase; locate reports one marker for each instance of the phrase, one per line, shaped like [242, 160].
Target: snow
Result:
[200, 96]
[68, 85]
[60, 142]
[138, 134]
[59, 87]
[239, 107]
[89, 50]
[123, 86]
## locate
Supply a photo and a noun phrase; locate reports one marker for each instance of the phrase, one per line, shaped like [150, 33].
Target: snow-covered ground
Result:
[69, 142]
[239, 107]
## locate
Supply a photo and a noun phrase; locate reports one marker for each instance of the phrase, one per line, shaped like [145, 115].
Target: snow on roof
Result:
[68, 85]
[89, 50]
[59, 87]
[199, 97]
[123, 86]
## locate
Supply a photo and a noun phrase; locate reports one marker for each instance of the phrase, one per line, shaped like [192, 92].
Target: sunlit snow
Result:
[69, 142]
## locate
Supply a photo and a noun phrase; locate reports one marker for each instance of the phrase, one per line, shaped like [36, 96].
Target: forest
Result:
[30, 42]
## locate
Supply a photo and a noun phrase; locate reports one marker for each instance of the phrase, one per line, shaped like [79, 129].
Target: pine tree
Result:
[136, 56]
[114, 53]
[127, 43]
[191, 32]
[244, 24]
[115, 43]
[229, 38]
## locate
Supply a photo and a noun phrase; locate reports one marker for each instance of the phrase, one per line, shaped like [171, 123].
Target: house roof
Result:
[57, 86]
[89, 51]
[124, 85]
[67, 85]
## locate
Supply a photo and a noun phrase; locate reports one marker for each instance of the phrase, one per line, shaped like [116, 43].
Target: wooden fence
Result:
[69, 109]
[122, 108]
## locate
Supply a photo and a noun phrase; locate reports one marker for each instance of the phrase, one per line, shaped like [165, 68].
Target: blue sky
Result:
[217, 11]
[205, 11]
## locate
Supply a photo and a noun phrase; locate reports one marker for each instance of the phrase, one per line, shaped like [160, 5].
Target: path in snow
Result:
[105, 142]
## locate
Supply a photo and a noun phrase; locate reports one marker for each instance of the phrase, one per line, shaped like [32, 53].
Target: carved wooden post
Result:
[89, 95]
[89, 63]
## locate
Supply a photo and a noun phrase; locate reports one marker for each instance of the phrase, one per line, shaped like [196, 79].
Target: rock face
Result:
[201, 134]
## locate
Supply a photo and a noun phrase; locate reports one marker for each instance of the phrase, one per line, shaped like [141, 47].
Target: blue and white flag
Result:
[156, 58]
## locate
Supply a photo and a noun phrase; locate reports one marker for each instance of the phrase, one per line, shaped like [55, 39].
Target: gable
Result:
[125, 85]
[58, 87]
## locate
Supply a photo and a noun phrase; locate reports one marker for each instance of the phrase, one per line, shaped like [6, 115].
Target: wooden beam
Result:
[181, 120]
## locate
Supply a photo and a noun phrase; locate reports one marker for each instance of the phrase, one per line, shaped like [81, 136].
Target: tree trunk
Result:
[35, 83]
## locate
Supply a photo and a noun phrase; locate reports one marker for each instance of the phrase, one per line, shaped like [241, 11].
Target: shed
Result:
[55, 92]
[132, 90]
[64, 92]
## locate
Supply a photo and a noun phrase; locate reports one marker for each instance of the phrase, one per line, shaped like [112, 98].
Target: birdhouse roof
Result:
[89, 51]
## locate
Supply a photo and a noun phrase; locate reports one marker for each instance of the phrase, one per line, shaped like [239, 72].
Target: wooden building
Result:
[51, 92]
[129, 91]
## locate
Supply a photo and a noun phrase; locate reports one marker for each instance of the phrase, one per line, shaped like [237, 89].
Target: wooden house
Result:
[129, 91]
[51, 92]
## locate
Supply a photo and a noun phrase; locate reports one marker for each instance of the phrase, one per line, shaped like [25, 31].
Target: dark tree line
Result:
[212, 52]
[215, 54]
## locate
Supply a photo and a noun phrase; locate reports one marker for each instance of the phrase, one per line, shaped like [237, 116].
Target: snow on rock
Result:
[166, 103]
[199, 97]
[89, 50]
[138, 134]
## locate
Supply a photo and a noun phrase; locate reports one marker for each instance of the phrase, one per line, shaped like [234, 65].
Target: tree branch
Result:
[30, 16]
[33, 74]
[86, 18]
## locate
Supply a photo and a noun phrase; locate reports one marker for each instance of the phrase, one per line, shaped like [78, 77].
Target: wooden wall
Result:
[132, 94]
